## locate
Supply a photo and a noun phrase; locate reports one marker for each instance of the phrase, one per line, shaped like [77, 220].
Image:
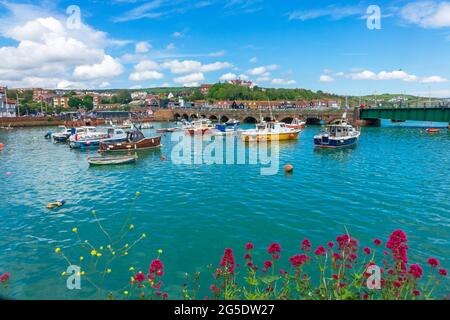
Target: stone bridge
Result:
[311, 116]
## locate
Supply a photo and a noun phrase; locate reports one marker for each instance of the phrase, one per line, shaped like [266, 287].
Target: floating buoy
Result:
[289, 168]
[432, 130]
[163, 158]
[1, 146]
[55, 204]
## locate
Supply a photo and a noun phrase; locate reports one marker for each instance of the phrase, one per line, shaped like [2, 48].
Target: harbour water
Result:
[395, 178]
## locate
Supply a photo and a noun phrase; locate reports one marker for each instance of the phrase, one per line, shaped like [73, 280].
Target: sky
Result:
[345, 47]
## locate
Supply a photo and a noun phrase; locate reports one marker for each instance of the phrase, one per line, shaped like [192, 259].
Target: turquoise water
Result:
[395, 178]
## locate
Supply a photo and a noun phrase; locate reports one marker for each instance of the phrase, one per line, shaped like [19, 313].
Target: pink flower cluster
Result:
[4, 277]
[228, 261]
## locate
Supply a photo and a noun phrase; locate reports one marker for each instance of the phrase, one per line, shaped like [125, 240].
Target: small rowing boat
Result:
[164, 130]
[111, 160]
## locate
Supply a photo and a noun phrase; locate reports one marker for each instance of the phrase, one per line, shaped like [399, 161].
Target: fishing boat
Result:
[232, 122]
[223, 130]
[145, 125]
[112, 160]
[337, 134]
[165, 130]
[432, 130]
[296, 124]
[135, 141]
[112, 135]
[199, 127]
[62, 135]
[270, 131]
[126, 125]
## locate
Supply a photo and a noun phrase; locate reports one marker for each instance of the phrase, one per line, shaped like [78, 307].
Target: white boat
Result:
[62, 135]
[296, 124]
[112, 160]
[270, 131]
[201, 126]
[338, 134]
[112, 135]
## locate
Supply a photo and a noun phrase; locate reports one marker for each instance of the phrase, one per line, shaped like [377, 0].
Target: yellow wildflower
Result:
[99, 254]
[138, 194]
[81, 258]
[57, 250]
[101, 248]
[63, 273]
[113, 253]
[125, 292]
[131, 269]
[144, 235]
[74, 230]
[108, 246]
[131, 226]
[83, 273]
[109, 270]
[93, 252]
[126, 253]
[160, 251]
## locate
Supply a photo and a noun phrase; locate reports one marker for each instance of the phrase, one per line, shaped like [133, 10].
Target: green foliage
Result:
[226, 91]
[75, 102]
[88, 102]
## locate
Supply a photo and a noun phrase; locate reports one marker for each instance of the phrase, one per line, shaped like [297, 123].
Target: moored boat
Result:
[112, 160]
[296, 124]
[135, 141]
[165, 130]
[232, 122]
[199, 127]
[270, 131]
[62, 136]
[112, 135]
[336, 135]
[432, 130]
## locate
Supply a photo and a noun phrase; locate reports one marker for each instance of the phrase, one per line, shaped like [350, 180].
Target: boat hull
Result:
[295, 126]
[194, 132]
[102, 161]
[334, 143]
[146, 143]
[270, 136]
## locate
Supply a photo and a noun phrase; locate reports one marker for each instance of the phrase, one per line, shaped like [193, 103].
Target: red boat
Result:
[199, 127]
[432, 130]
[135, 141]
[296, 124]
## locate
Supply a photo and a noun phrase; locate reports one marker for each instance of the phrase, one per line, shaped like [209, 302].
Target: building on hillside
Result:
[242, 83]
[43, 95]
[204, 88]
[107, 106]
[61, 102]
[139, 95]
[152, 100]
[7, 105]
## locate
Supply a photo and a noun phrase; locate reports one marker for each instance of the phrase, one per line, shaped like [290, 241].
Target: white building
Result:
[7, 105]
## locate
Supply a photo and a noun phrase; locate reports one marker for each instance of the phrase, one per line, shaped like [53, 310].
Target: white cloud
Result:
[146, 70]
[253, 60]
[216, 54]
[427, 14]
[326, 78]
[279, 81]
[171, 46]
[332, 12]
[177, 34]
[263, 70]
[142, 47]
[191, 66]
[146, 75]
[228, 76]
[108, 68]
[48, 54]
[383, 75]
[433, 79]
[190, 80]
[243, 76]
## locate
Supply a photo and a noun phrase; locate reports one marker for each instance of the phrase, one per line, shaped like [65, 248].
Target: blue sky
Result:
[318, 45]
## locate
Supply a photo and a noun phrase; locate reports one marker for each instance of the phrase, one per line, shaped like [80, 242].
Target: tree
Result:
[75, 102]
[88, 102]
[197, 95]
[123, 96]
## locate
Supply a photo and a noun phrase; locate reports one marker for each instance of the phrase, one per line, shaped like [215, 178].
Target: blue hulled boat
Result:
[336, 135]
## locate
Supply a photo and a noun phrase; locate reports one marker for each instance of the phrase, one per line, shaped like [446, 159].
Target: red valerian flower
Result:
[228, 260]
[139, 277]
[367, 250]
[268, 264]
[156, 269]
[433, 262]
[397, 284]
[306, 245]
[274, 249]
[377, 242]
[248, 256]
[336, 256]
[165, 295]
[365, 296]
[416, 293]
[443, 272]
[283, 272]
[298, 260]
[335, 276]
[320, 251]
[416, 271]
[249, 246]
[330, 244]
[4, 277]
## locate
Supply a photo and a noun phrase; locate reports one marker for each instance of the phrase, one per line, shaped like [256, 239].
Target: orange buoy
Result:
[163, 158]
[432, 130]
[288, 168]
[1, 146]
